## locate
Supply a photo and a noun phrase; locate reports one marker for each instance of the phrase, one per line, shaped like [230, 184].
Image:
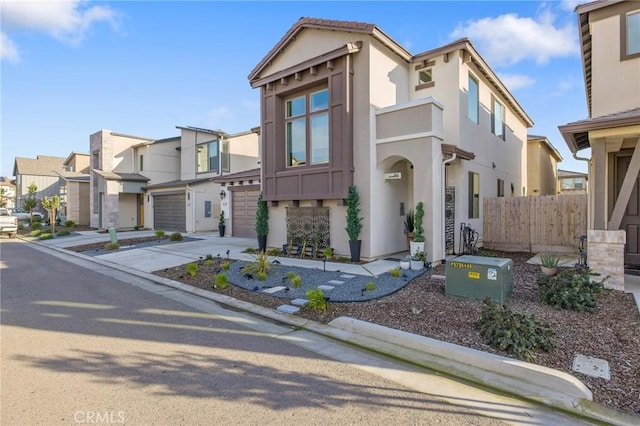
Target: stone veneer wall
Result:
[605, 255]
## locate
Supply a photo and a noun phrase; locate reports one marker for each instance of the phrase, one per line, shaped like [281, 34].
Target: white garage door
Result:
[243, 212]
[169, 212]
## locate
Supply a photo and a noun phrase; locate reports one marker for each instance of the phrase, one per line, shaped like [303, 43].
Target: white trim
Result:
[408, 137]
[410, 104]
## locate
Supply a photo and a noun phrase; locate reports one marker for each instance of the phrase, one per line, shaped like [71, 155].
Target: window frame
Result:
[494, 102]
[500, 188]
[624, 35]
[308, 116]
[207, 146]
[474, 195]
[225, 157]
[470, 79]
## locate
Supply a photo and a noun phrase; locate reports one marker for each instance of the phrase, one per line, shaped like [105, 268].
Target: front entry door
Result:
[631, 219]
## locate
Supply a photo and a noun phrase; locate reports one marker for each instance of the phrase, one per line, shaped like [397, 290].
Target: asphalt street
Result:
[84, 344]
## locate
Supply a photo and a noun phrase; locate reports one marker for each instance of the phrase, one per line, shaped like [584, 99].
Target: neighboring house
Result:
[7, 192]
[542, 166]
[610, 39]
[43, 172]
[75, 189]
[343, 103]
[572, 182]
[192, 201]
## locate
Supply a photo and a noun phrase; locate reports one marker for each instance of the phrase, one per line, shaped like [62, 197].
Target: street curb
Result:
[525, 380]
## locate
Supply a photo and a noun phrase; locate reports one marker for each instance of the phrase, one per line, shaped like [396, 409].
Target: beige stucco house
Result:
[7, 192]
[343, 103]
[542, 166]
[570, 182]
[610, 40]
[192, 201]
[75, 191]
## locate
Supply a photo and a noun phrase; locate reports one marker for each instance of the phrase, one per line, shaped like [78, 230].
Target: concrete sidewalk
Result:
[543, 385]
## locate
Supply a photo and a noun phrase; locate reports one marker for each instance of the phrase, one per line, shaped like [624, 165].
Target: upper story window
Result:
[141, 163]
[497, 119]
[474, 100]
[572, 183]
[425, 76]
[207, 157]
[631, 35]
[225, 159]
[307, 128]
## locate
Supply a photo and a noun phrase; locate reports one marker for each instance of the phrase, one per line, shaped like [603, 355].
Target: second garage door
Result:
[243, 212]
[169, 212]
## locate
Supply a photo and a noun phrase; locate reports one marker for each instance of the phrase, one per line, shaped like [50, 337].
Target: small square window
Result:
[425, 76]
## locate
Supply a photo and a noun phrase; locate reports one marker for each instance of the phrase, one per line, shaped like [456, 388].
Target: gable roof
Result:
[576, 134]
[331, 25]
[547, 143]
[42, 165]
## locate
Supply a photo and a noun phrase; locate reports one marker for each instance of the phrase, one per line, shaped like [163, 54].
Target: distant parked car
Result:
[22, 214]
[8, 223]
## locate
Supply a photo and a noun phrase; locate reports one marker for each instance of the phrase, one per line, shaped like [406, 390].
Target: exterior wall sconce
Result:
[222, 194]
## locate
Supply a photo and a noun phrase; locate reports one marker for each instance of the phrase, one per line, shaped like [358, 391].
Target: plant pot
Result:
[416, 265]
[262, 243]
[221, 229]
[415, 247]
[354, 248]
[405, 264]
[549, 271]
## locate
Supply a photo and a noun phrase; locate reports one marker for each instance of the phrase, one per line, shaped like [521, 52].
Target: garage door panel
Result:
[243, 211]
[169, 212]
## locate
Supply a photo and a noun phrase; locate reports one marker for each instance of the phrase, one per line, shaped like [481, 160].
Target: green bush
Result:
[208, 262]
[69, 224]
[273, 252]
[226, 265]
[262, 276]
[221, 280]
[20, 227]
[192, 268]
[160, 233]
[35, 233]
[514, 332]
[36, 225]
[111, 246]
[395, 272]
[572, 289]
[37, 219]
[370, 286]
[260, 265]
[250, 250]
[62, 233]
[176, 236]
[45, 236]
[316, 300]
[209, 256]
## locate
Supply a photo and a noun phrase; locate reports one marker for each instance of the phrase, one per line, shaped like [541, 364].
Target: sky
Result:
[71, 68]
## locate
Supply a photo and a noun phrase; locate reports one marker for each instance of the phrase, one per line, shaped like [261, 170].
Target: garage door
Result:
[243, 212]
[169, 212]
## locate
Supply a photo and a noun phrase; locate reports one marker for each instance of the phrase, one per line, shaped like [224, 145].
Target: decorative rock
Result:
[335, 282]
[299, 302]
[274, 289]
[287, 309]
[325, 287]
[347, 276]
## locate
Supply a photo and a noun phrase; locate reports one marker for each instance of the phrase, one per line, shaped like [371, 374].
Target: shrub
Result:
[328, 253]
[35, 233]
[549, 260]
[176, 236]
[226, 266]
[62, 233]
[514, 332]
[36, 225]
[45, 236]
[262, 217]
[160, 233]
[354, 221]
[250, 250]
[261, 264]
[111, 246]
[273, 252]
[370, 286]
[418, 230]
[208, 262]
[571, 289]
[37, 219]
[295, 279]
[395, 272]
[192, 268]
[316, 299]
[262, 276]
[290, 275]
[221, 280]
[69, 224]
[209, 256]
[20, 227]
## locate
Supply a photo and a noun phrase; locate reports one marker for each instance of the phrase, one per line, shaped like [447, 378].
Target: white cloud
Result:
[516, 81]
[567, 84]
[218, 117]
[570, 5]
[509, 39]
[67, 20]
[8, 49]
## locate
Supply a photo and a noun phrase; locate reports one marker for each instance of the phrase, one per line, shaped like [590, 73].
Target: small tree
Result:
[354, 221]
[418, 230]
[30, 202]
[4, 196]
[51, 204]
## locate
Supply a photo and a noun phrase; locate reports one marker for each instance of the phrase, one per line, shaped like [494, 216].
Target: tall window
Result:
[225, 157]
[307, 128]
[140, 162]
[497, 119]
[474, 195]
[474, 100]
[633, 34]
[500, 189]
[208, 157]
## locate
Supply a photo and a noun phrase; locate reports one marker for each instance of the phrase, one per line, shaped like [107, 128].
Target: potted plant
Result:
[262, 224]
[354, 223]
[409, 225]
[549, 264]
[418, 242]
[221, 225]
[405, 262]
[417, 260]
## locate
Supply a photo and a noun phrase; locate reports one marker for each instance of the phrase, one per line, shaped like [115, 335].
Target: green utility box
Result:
[477, 277]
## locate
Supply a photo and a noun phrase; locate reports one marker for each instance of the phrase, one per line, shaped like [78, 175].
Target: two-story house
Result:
[74, 188]
[41, 171]
[542, 169]
[610, 39]
[193, 200]
[570, 182]
[7, 192]
[343, 103]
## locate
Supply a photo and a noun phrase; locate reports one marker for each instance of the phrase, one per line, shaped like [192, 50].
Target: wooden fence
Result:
[533, 224]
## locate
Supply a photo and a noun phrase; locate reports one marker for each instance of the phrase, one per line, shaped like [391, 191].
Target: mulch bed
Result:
[611, 332]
